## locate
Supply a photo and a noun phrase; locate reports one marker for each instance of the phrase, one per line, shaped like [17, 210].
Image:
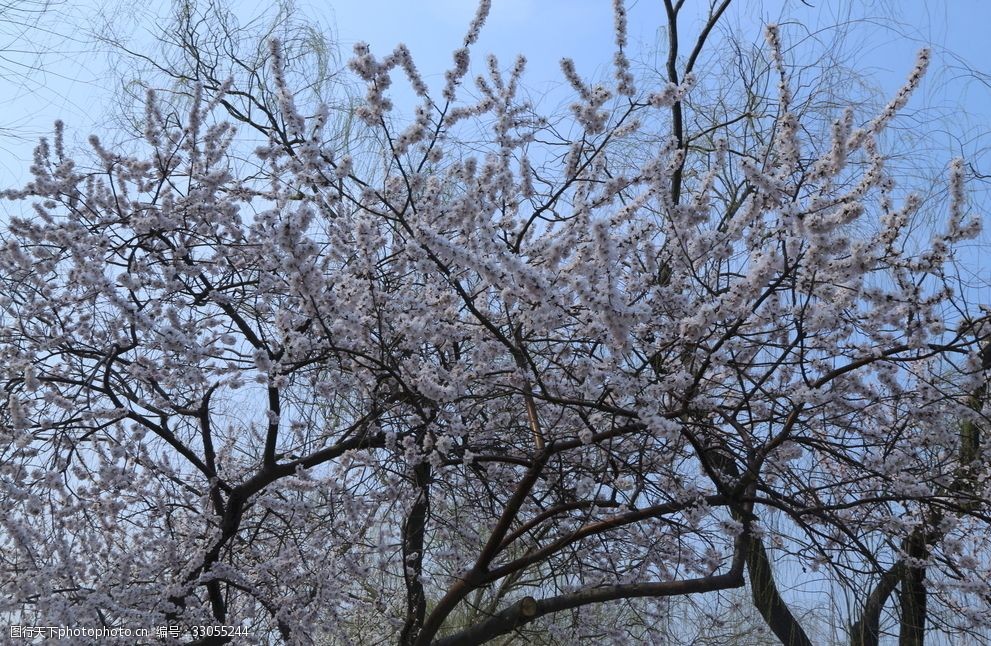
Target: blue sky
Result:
[54, 71]
[73, 81]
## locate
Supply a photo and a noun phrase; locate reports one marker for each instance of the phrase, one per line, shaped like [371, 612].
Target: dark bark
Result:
[414, 530]
[767, 599]
[464, 586]
[867, 629]
[912, 598]
[528, 609]
[672, 8]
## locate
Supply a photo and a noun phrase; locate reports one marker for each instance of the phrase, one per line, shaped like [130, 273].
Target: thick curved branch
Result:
[528, 609]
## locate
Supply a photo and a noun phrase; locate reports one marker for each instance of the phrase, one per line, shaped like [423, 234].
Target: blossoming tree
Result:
[473, 390]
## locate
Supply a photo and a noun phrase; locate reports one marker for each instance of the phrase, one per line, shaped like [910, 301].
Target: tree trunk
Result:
[414, 529]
